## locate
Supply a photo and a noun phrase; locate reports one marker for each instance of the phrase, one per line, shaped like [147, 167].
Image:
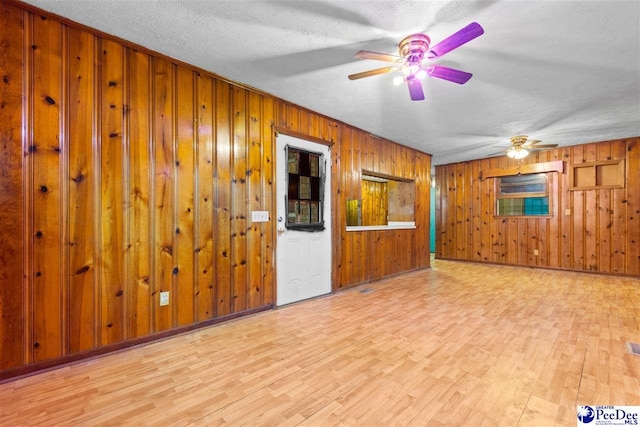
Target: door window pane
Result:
[305, 189]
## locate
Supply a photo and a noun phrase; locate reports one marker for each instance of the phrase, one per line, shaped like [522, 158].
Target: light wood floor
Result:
[461, 344]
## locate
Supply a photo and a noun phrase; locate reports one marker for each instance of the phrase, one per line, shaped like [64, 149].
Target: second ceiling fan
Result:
[414, 51]
[521, 146]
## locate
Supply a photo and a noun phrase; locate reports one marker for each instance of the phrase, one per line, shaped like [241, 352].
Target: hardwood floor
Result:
[460, 344]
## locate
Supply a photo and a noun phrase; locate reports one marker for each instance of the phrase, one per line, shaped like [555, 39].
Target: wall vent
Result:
[633, 348]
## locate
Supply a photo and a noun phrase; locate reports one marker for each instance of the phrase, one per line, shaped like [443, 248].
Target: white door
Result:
[303, 256]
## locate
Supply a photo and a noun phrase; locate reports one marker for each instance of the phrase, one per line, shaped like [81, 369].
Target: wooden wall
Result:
[125, 173]
[360, 257]
[601, 233]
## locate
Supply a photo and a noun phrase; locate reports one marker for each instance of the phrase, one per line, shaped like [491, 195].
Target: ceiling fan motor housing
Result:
[518, 140]
[414, 47]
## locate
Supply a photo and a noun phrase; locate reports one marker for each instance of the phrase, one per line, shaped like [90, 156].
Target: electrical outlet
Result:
[260, 216]
[535, 252]
[567, 211]
[164, 298]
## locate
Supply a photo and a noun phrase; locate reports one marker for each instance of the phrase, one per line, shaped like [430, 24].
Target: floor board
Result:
[460, 344]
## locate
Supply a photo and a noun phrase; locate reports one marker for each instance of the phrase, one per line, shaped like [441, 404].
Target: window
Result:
[522, 195]
[305, 195]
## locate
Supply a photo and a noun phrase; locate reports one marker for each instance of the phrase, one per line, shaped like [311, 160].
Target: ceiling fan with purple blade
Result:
[414, 51]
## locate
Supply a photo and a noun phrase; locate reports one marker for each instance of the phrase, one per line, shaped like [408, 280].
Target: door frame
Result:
[309, 138]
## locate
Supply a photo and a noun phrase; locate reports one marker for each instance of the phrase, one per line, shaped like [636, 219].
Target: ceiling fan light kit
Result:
[414, 51]
[517, 153]
[521, 145]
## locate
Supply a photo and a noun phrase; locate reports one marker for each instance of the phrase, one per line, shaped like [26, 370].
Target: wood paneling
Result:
[375, 202]
[126, 173]
[138, 211]
[633, 207]
[222, 218]
[124, 191]
[186, 127]
[81, 182]
[12, 200]
[254, 201]
[360, 257]
[111, 167]
[267, 186]
[595, 229]
[163, 197]
[204, 245]
[239, 212]
[45, 93]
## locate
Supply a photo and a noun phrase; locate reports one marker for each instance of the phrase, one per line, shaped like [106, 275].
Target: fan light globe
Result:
[398, 80]
[421, 74]
[517, 153]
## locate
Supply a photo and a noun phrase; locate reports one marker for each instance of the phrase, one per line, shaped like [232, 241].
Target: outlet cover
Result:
[567, 211]
[164, 298]
[260, 216]
[535, 252]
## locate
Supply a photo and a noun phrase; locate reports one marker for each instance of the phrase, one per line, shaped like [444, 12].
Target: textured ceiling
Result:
[566, 72]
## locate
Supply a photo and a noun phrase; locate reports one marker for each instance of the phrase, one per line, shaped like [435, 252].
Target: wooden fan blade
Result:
[372, 72]
[535, 147]
[376, 56]
[531, 142]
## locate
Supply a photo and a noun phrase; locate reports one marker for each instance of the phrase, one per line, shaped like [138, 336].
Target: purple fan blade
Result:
[455, 40]
[450, 74]
[415, 89]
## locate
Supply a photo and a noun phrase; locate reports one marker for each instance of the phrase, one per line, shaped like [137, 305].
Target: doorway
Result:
[303, 194]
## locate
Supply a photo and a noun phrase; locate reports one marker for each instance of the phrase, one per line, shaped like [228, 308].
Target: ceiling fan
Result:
[521, 146]
[413, 50]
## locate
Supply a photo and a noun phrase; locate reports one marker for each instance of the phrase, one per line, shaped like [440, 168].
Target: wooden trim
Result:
[299, 135]
[47, 365]
[555, 166]
[377, 279]
[541, 267]
[386, 176]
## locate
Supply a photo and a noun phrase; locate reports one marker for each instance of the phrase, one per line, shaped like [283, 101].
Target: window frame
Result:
[522, 195]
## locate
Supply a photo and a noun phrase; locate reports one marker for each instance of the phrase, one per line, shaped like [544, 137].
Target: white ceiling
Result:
[566, 72]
